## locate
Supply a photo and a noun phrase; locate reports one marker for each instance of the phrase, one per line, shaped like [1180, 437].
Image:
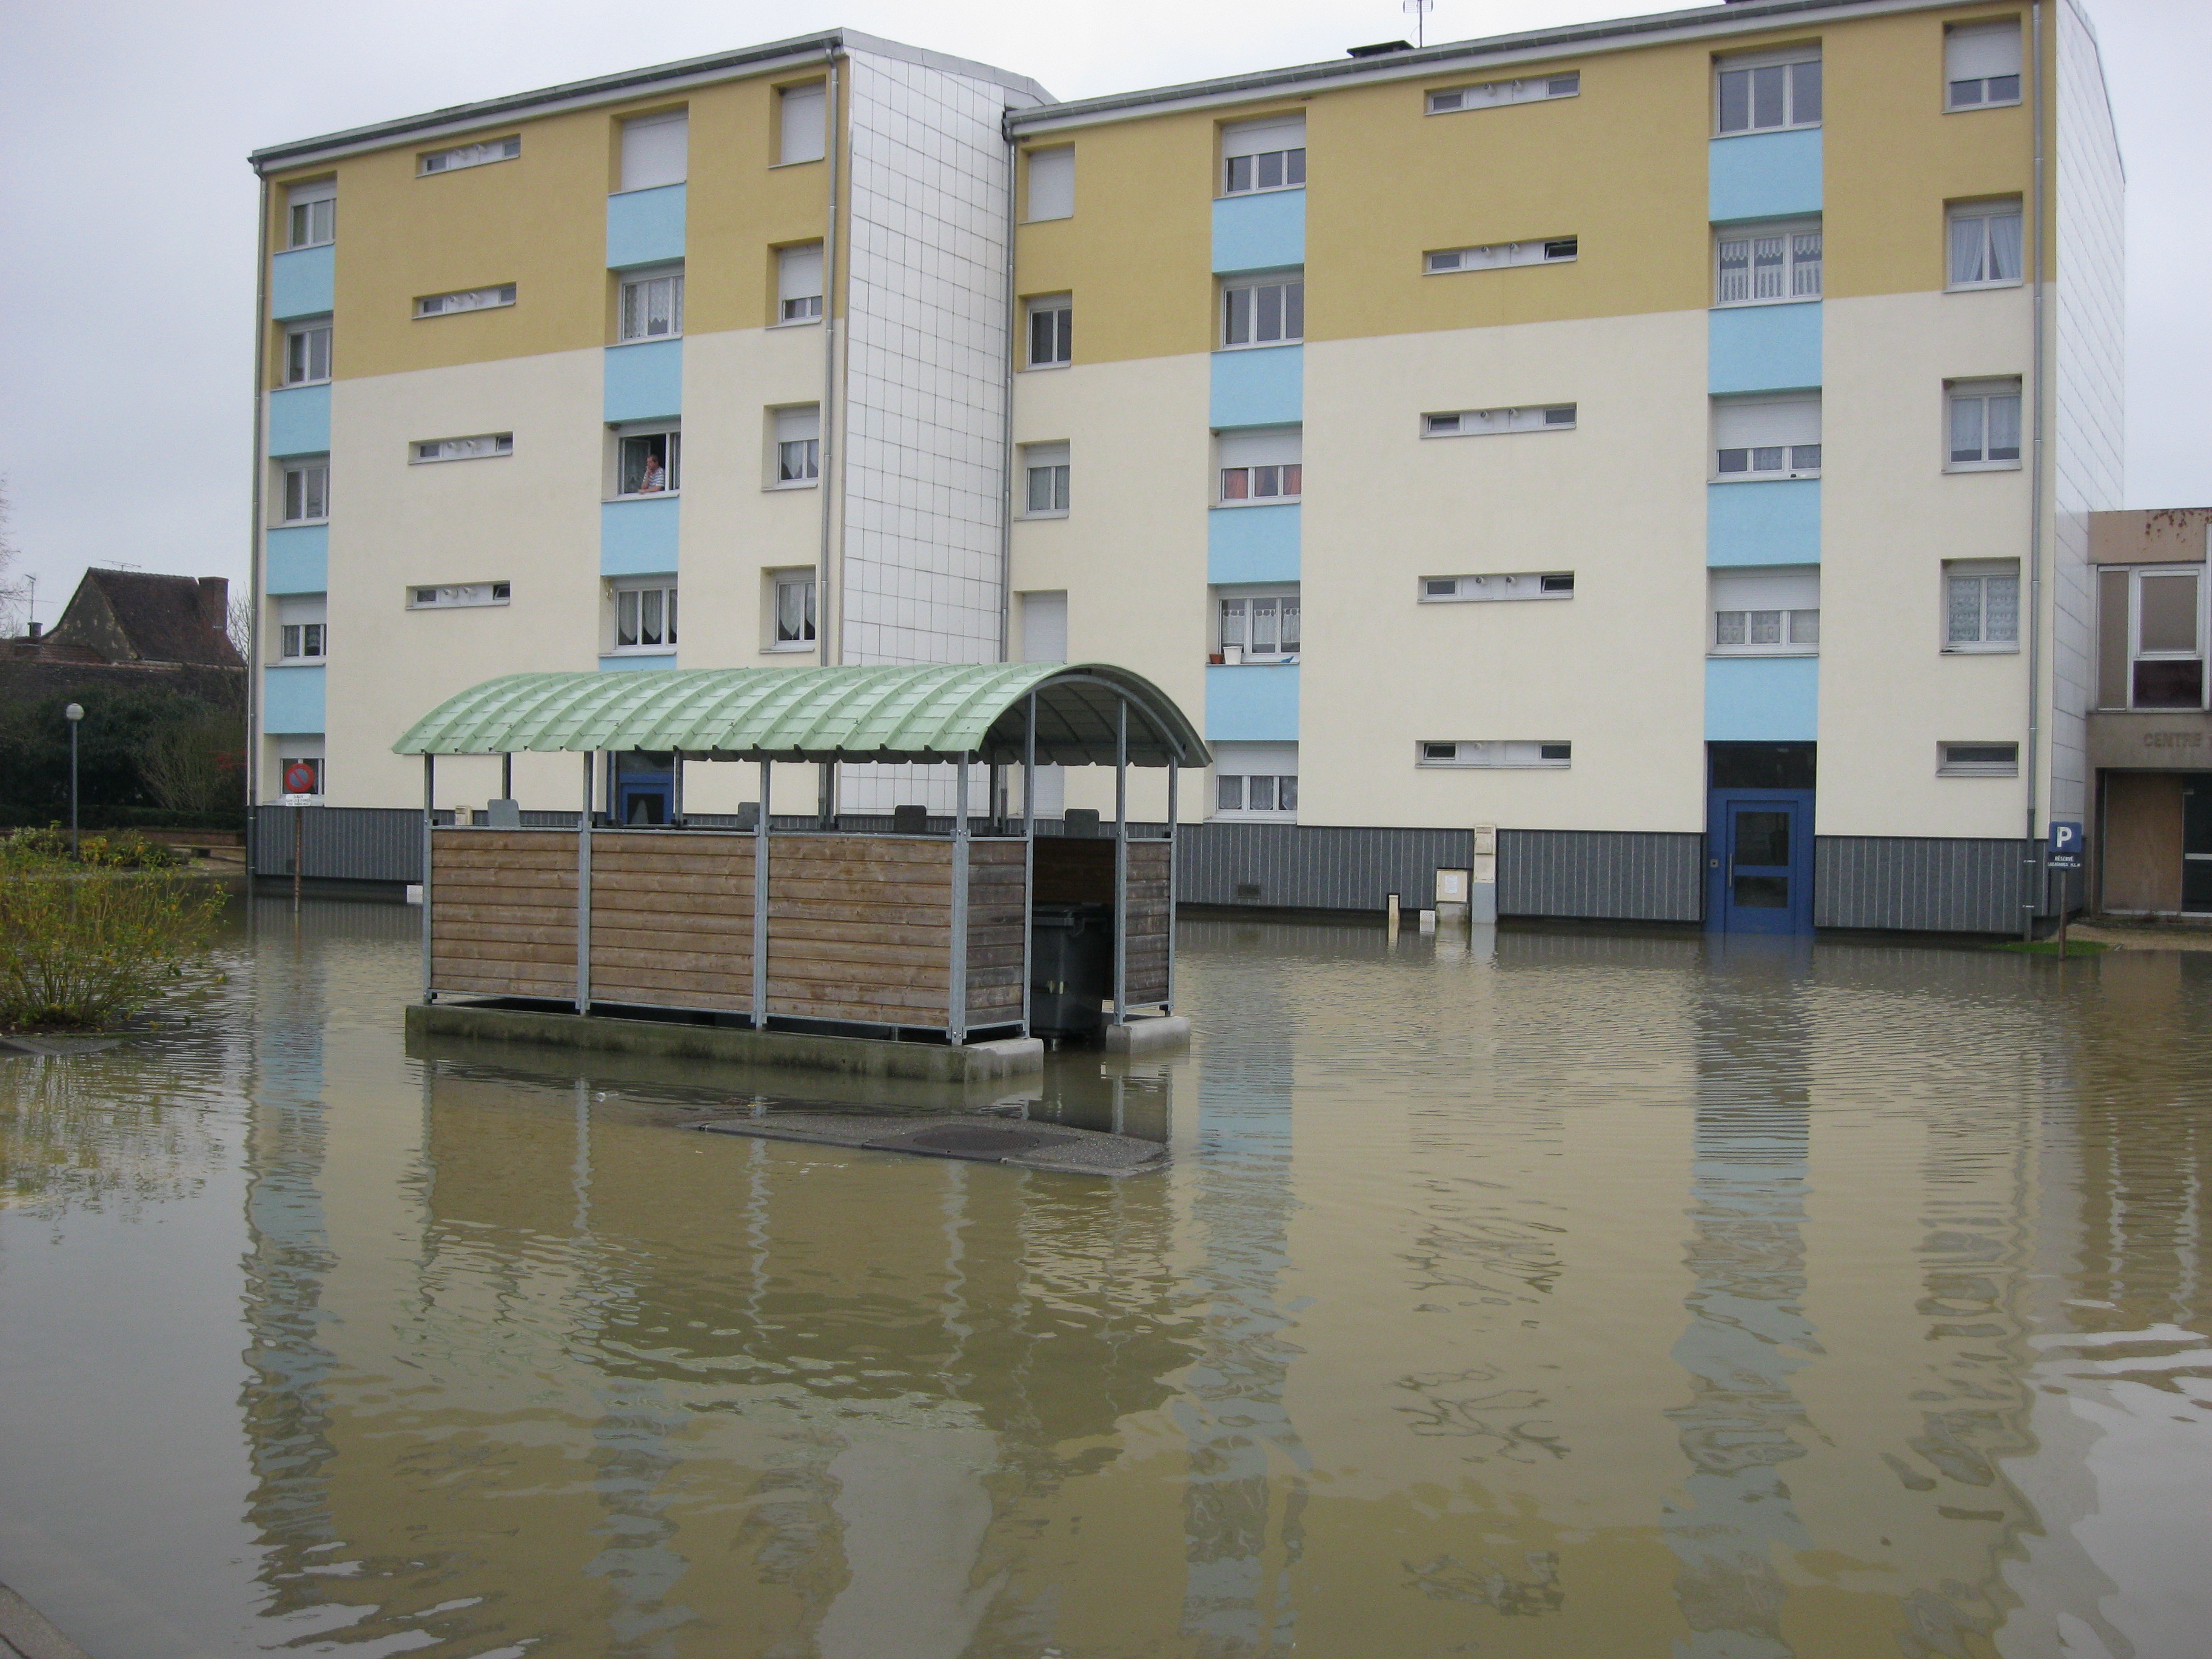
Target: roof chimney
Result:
[215, 603]
[34, 629]
[1379, 49]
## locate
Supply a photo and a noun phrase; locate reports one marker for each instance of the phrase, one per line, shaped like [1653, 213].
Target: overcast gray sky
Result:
[127, 258]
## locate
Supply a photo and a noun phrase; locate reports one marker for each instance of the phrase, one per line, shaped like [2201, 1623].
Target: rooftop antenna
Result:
[1420, 8]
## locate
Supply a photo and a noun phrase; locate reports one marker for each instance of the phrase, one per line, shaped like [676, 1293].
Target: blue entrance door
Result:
[1759, 861]
[644, 796]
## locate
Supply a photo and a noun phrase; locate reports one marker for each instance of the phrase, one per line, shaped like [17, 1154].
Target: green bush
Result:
[82, 953]
[29, 850]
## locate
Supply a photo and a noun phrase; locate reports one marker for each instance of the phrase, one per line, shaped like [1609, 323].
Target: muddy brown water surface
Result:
[1558, 1294]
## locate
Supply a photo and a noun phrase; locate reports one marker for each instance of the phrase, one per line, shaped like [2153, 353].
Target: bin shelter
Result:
[903, 929]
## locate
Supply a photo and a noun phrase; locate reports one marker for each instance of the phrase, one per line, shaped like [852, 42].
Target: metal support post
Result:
[1174, 768]
[825, 795]
[1029, 854]
[994, 798]
[507, 777]
[299, 850]
[1121, 861]
[584, 895]
[956, 1025]
[760, 899]
[429, 798]
[675, 789]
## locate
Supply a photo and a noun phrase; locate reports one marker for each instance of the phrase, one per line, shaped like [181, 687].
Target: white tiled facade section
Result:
[2086, 413]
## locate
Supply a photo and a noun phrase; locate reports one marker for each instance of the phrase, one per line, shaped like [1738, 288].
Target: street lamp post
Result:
[74, 714]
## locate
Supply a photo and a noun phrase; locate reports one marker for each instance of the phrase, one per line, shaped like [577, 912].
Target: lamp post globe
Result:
[73, 714]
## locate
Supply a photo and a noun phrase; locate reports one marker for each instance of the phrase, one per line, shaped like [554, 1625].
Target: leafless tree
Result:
[11, 588]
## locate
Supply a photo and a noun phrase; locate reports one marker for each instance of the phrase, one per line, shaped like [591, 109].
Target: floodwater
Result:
[1555, 1294]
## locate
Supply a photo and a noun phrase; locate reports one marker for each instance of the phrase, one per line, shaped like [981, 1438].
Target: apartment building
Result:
[1702, 413]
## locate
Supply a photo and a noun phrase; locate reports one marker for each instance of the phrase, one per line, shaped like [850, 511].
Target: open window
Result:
[648, 459]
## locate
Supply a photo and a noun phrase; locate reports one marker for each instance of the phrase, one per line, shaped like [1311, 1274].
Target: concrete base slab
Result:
[921, 1062]
[24, 1633]
[1145, 1036]
[971, 1136]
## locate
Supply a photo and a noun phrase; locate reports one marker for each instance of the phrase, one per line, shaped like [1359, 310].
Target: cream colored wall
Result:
[1891, 516]
[1619, 670]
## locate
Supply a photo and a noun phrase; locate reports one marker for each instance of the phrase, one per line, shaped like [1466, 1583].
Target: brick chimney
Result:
[215, 603]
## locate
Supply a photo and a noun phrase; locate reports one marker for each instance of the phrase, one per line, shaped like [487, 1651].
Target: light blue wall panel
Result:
[292, 700]
[1763, 348]
[638, 538]
[303, 282]
[1262, 232]
[298, 560]
[1777, 522]
[631, 664]
[1764, 175]
[1257, 702]
[299, 421]
[645, 227]
[1261, 385]
[1252, 545]
[1762, 699]
[645, 382]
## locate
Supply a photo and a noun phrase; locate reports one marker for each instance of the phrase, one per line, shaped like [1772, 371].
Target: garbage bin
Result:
[1071, 969]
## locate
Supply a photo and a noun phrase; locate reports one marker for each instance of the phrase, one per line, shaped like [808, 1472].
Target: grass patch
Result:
[2049, 947]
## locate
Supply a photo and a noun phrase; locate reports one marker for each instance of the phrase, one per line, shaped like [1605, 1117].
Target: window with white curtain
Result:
[307, 489]
[1981, 65]
[644, 616]
[1766, 438]
[798, 283]
[1259, 311]
[652, 304]
[1268, 154]
[798, 440]
[802, 124]
[1044, 479]
[1258, 781]
[1489, 95]
[791, 609]
[1497, 255]
[1256, 625]
[303, 630]
[1766, 265]
[1259, 466]
[483, 446]
[308, 351]
[1765, 611]
[467, 298]
[1981, 605]
[1483, 422]
[459, 596]
[656, 151]
[1052, 332]
[1052, 183]
[313, 220]
[1765, 93]
[470, 155]
[1984, 425]
[1985, 244]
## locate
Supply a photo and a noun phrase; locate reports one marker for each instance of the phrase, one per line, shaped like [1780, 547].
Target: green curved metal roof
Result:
[926, 714]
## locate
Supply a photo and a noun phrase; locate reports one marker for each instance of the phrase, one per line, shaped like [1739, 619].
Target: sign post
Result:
[2067, 842]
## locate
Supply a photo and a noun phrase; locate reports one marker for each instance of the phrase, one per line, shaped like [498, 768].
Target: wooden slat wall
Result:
[996, 919]
[859, 928]
[672, 918]
[1146, 962]
[503, 912]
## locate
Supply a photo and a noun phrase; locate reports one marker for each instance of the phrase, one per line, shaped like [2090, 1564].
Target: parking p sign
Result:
[2066, 844]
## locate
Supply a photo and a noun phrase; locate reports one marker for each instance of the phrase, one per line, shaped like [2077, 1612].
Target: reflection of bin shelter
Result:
[897, 929]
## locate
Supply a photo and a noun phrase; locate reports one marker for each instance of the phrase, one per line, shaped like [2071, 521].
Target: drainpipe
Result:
[1006, 421]
[253, 767]
[2033, 879]
[832, 452]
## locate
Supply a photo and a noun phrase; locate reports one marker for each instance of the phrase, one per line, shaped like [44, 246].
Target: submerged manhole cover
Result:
[978, 1140]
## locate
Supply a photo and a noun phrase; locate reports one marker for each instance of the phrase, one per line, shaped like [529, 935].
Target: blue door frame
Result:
[1758, 861]
[644, 796]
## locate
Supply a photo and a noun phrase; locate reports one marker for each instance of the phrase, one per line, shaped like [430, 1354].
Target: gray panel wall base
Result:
[342, 844]
[1920, 884]
[1602, 874]
[1300, 866]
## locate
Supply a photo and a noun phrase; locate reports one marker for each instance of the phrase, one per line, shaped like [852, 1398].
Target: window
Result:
[1981, 605]
[649, 462]
[1515, 585]
[1489, 95]
[2150, 627]
[1268, 154]
[1496, 256]
[469, 299]
[304, 771]
[1766, 438]
[1977, 760]
[1769, 611]
[1981, 65]
[458, 595]
[1985, 246]
[1051, 332]
[462, 449]
[791, 609]
[1052, 183]
[308, 352]
[1260, 466]
[798, 283]
[655, 150]
[1500, 756]
[1764, 94]
[797, 445]
[313, 218]
[1044, 477]
[1984, 425]
[1256, 780]
[1044, 626]
[307, 490]
[1263, 311]
[470, 155]
[802, 122]
[303, 630]
[645, 617]
[1257, 625]
[1767, 266]
[652, 304]
[1478, 423]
